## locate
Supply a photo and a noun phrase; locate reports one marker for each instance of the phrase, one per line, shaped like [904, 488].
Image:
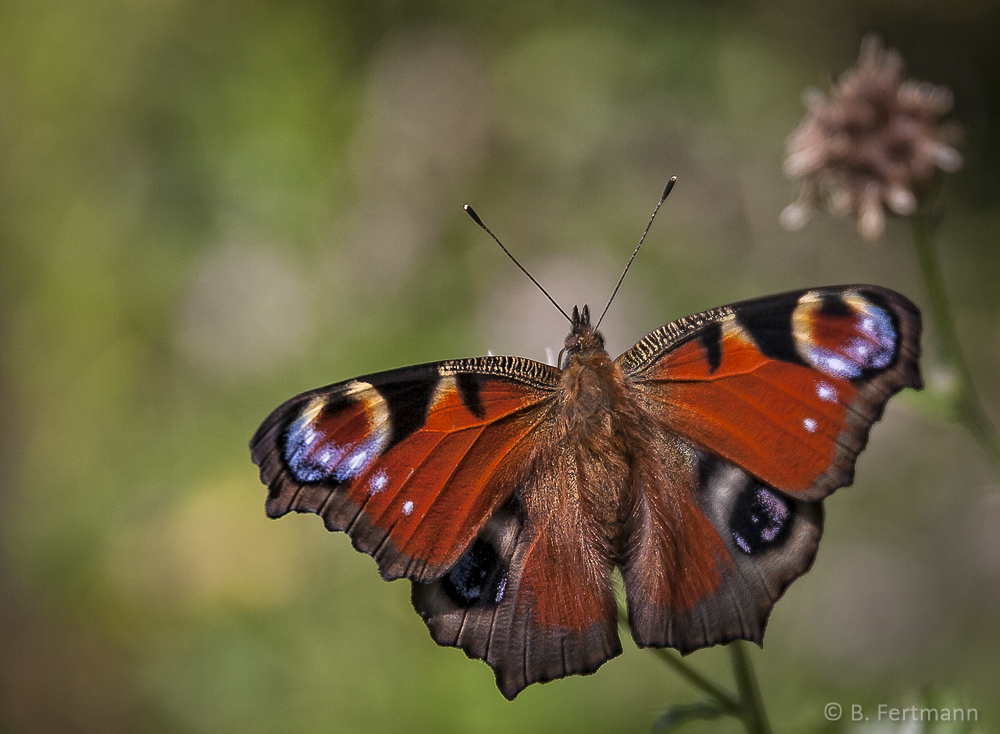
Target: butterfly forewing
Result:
[410, 462]
[786, 387]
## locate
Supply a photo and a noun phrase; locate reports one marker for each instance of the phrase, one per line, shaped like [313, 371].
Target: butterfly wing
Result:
[460, 477]
[786, 386]
[717, 550]
[758, 410]
[411, 462]
[533, 595]
[448, 474]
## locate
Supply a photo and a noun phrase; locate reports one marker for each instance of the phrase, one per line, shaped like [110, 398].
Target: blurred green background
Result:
[206, 207]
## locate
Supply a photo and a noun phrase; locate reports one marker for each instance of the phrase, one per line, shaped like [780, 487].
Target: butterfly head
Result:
[584, 338]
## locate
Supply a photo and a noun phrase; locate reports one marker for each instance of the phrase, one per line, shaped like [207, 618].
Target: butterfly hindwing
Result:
[718, 549]
[531, 608]
[533, 596]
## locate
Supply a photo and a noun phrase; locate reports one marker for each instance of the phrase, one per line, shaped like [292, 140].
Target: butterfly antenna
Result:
[666, 193]
[475, 218]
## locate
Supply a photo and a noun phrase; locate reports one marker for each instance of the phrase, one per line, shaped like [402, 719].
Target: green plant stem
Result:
[748, 708]
[970, 408]
[726, 701]
[751, 703]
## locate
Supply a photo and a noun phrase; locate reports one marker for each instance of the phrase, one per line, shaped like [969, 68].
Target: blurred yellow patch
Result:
[215, 546]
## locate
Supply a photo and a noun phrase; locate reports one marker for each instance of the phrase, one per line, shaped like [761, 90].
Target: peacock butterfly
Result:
[507, 491]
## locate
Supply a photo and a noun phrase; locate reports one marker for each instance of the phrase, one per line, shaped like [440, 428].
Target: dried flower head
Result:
[872, 144]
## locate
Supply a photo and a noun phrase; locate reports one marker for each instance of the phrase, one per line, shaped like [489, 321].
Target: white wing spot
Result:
[378, 481]
[500, 589]
[826, 392]
[810, 425]
[839, 367]
[408, 508]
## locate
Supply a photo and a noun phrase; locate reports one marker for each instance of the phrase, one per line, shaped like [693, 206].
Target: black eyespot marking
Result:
[761, 519]
[711, 341]
[408, 403]
[769, 322]
[479, 577]
[468, 388]
[831, 304]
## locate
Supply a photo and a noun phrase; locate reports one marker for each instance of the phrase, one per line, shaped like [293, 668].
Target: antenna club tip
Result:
[669, 187]
[475, 217]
